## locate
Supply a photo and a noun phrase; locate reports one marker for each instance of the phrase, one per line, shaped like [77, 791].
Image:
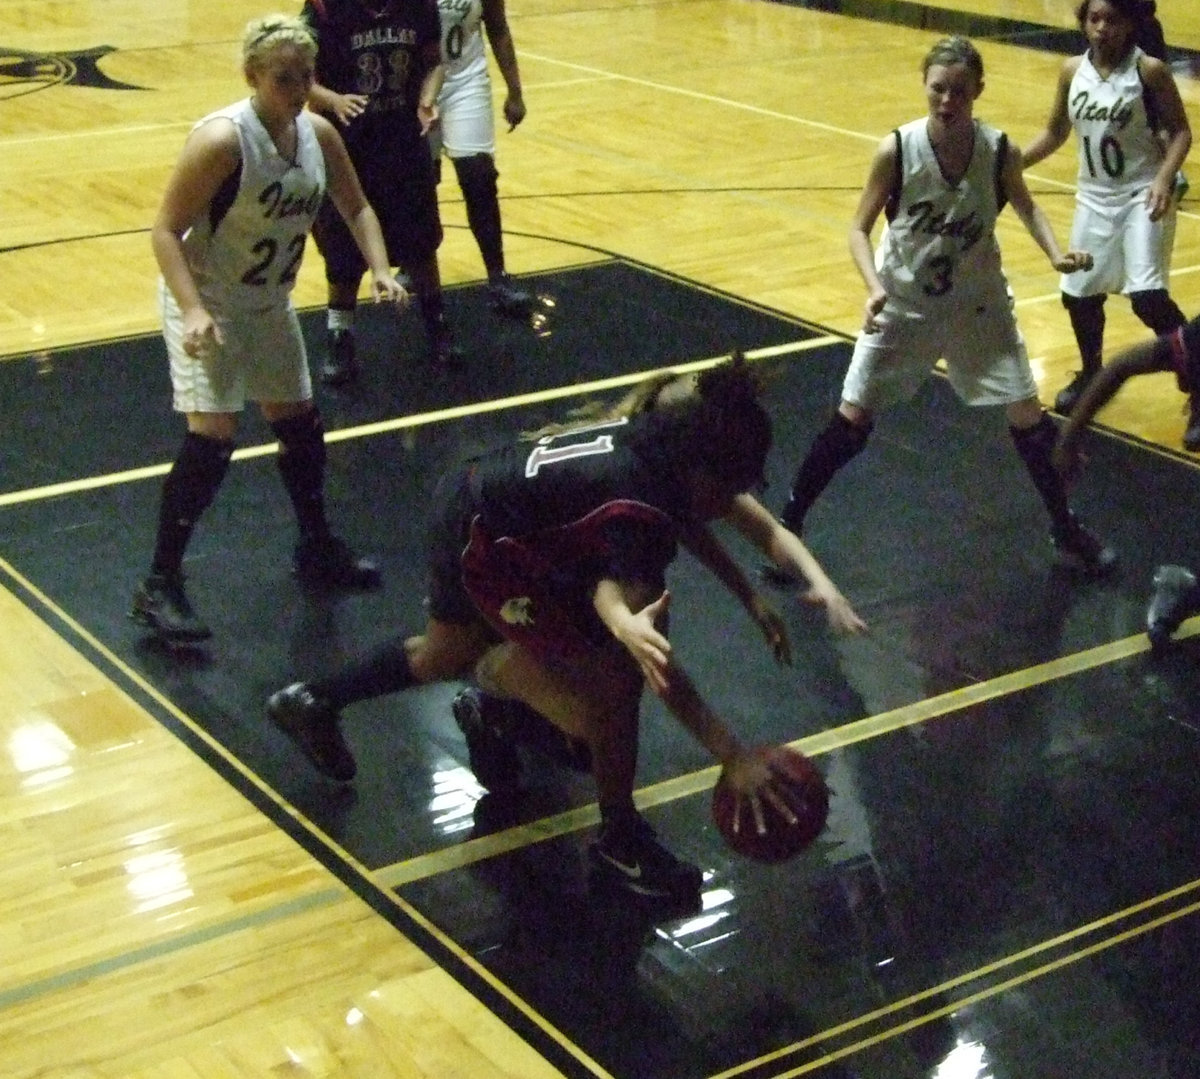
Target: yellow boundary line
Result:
[421, 419]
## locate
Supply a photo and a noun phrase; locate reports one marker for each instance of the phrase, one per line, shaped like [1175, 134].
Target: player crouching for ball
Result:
[547, 563]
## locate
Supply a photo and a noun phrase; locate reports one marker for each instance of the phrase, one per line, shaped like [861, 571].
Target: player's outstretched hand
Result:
[348, 107]
[755, 782]
[842, 617]
[1068, 462]
[770, 623]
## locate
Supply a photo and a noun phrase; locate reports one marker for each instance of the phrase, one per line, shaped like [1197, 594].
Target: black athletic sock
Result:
[301, 464]
[1087, 320]
[834, 447]
[383, 671]
[433, 313]
[477, 179]
[187, 492]
[1035, 445]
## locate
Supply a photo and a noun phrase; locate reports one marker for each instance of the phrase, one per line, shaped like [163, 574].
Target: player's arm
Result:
[711, 553]
[495, 23]
[1173, 126]
[787, 551]
[1058, 125]
[431, 85]
[347, 195]
[881, 180]
[1012, 178]
[210, 156]
[749, 775]
[1140, 359]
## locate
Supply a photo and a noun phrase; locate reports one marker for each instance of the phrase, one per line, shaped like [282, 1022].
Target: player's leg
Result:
[1148, 249]
[987, 365]
[209, 392]
[310, 712]
[468, 134]
[1034, 435]
[454, 639]
[415, 236]
[597, 701]
[344, 269]
[278, 378]
[1084, 293]
[477, 178]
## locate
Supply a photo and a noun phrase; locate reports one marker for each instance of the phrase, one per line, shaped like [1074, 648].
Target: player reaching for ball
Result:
[548, 561]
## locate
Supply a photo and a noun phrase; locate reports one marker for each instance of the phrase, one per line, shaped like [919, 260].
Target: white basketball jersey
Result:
[1119, 154]
[245, 252]
[462, 37]
[940, 241]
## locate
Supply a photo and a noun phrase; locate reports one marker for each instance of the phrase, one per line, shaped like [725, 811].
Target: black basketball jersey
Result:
[382, 50]
[599, 497]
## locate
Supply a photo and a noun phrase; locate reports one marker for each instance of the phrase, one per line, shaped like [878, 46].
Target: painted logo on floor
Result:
[24, 72]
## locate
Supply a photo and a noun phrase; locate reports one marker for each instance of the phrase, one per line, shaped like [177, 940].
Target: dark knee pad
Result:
[197, 473]
[477, 177]
[301, 441]
[1157, 310]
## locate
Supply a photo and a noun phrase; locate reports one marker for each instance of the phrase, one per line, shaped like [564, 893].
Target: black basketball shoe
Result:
[1081, 551]
[492, 755]
[1068, 397]
[313, 724]
[507, 299]
[328, 561]
[161, 603]
[1176, 596]
[341, 361]
[627, 857]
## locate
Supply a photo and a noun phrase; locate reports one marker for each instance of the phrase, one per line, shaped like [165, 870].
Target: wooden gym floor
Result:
[1009, 883]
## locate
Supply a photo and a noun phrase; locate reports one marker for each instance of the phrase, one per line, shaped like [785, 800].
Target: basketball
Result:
[808, 797]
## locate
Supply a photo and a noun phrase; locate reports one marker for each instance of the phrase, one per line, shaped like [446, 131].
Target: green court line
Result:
[73, 976]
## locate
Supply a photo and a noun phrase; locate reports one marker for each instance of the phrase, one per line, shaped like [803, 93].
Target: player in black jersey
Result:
[547, 562]
[379, 72]
[1176, 591]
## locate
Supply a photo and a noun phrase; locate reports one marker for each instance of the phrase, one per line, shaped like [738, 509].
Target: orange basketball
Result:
[807, 795]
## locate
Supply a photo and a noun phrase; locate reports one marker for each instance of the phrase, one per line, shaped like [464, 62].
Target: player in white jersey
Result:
[1133, 136]
[228, 238]
[935, 289]
[467, 131]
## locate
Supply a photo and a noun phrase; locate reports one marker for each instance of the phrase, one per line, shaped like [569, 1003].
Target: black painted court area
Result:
[1021, 872]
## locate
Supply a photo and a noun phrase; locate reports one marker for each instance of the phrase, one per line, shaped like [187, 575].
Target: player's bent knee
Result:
[477, 175]
[1157, 310]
